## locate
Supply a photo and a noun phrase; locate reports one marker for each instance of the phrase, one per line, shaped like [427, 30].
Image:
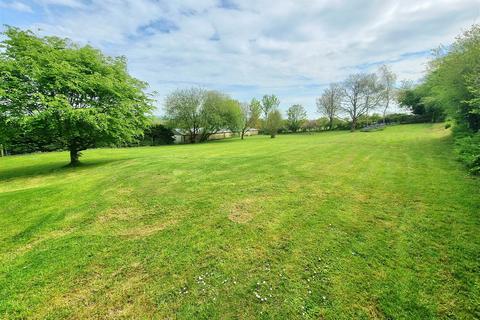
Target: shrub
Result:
[467, 146]
[405, 118]
[468, 149]
[448, 125]
[157, 134]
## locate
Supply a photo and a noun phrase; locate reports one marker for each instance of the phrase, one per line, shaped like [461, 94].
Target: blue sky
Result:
[250, 48]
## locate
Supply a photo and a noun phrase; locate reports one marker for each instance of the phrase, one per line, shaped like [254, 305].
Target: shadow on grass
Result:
[53, 168]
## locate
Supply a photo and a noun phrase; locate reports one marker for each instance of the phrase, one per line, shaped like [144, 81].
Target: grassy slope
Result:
[334, 225]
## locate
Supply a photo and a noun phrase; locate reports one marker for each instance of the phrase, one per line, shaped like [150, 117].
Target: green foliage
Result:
[184, 110]
[250, 116]
[418, 101]
[467, 146]
[410, 99]
[341, 124]
[452, 86]
[219, 112]
[324, 123]
[453, 79]
[54, 91]
[202, 113]
[269, 103]
[296, 116]
[157, 134]
[232, 115]
[273, 122]
[404, 118]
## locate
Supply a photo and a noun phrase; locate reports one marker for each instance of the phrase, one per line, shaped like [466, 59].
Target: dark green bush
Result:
[468, 149]
[467, 146]
[156, 135]
[404, 118]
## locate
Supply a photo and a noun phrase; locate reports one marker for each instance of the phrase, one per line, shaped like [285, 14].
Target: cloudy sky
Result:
[247, 48]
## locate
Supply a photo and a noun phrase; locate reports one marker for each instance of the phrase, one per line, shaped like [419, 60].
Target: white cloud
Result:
[16, 5]
[64, 3]
[291, 48]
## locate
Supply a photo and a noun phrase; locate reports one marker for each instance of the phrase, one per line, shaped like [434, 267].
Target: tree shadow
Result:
[53, 167]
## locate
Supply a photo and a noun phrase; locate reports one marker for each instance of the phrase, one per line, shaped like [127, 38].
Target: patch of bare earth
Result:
[119, 214]
[243, 211]
[147, 230]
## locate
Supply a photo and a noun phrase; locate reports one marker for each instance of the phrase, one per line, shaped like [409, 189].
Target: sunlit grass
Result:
[334, 225]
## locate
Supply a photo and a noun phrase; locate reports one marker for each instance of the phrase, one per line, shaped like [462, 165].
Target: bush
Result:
[404, 118]
[156, 135]
[448, 125]
[468, 149]
[467, 146]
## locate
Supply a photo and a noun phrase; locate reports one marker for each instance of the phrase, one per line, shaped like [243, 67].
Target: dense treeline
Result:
[452, 87]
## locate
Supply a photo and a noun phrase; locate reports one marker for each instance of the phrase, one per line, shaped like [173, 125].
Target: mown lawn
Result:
[381, 225]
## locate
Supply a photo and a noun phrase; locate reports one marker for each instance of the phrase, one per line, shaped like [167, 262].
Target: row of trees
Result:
[359, 95]
[201, 113]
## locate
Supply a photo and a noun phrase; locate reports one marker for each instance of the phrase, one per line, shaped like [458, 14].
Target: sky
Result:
[248, 48]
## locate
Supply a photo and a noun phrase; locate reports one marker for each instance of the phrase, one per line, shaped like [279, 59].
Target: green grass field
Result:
[381, 225]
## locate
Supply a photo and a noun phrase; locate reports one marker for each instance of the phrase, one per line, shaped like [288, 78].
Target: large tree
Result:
[202, 113]
[296, 116]
[329, 104]
[273, 122]
[219, 112]
[67, 95]
[184, 110]
[361, 93]
[419, 101]
[269, 103]
[250, 116]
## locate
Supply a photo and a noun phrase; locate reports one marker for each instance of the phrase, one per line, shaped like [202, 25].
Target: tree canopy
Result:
[70, 96]
[329, 104]
[269, 103]
[273, 122]
[201, 113]
[296, 116]
[361, 93]
[250, 116]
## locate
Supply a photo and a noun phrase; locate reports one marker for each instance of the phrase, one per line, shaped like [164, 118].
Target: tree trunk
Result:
[354, 125]
[330, 125]
[385, 111]
[74, 155]
[242, 134]
[272, 135]
[1, 150]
